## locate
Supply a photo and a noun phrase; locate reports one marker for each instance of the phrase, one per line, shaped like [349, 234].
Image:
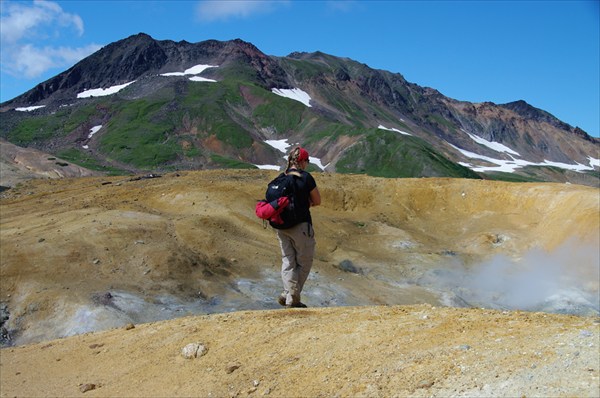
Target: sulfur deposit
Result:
[420, 287]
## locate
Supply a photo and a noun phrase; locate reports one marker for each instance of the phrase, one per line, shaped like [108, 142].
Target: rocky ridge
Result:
[159, 123]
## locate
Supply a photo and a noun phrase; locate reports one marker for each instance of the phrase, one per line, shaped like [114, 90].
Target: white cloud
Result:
[214, 10]
[24, 21]
[23, 29]
[30, 61]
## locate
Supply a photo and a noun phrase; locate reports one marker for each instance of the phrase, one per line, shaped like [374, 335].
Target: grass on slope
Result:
[89, 162]
[135, 136]
[207, 104]
[512, 177]
[331, 132]
[388, 154]
[31, 130]
[149, 133]
[282, 114]
[228, 163]
[28, 129]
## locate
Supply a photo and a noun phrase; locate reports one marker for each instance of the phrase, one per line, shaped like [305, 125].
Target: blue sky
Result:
[543, 52]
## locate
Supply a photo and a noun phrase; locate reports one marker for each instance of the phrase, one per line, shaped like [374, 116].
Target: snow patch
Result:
[201, 79]
[575, 167]
[317, 162]
[382, 127]
[295, 94]
[101, 92]
[282, 145]
[594, 162]
[510, 166]
[268, 166]
[496, 146]
[194, 70]
[94, 130]
[29, 108]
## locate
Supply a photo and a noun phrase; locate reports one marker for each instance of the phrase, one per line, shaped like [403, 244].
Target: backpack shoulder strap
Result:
[294, 173]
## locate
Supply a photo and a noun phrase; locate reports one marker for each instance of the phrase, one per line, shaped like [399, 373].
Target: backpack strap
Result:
[293, 172]
[296, 173]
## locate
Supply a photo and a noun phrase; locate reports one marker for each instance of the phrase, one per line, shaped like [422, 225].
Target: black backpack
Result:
[284, 185]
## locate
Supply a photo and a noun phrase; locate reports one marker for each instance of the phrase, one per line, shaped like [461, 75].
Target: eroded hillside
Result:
[93, 253]
[89, 254]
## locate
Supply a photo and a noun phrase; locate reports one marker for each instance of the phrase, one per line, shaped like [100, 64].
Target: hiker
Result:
[298, 242]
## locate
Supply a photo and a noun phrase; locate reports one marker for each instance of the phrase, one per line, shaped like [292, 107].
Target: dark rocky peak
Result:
[432, 93]
[140, 55]
[247, 51]
[246, 46]
[268, 73]
[317, 56]
[297, 55]
[579, 132]
[139, 39]
[303, 55]
[528, 111]
[524, 109]
[117, 63]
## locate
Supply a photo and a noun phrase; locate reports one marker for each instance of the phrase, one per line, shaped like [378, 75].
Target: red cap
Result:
[303, 155]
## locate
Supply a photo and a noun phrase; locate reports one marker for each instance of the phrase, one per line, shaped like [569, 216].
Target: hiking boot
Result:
[281, 300]
[296, 305]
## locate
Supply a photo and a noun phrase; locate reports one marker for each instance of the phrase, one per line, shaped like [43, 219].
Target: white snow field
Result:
[101, 92]
[509, 166]
[93, 131]
[382, 127]
[194, 70]
[295, 94]
[29, 108]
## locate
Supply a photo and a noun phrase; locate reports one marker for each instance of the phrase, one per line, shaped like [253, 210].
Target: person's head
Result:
[298, 158]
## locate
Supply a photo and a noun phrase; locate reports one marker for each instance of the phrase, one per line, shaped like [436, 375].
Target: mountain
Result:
[141, 104]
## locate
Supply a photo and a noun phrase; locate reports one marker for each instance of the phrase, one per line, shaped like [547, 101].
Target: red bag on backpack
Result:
[271, 211]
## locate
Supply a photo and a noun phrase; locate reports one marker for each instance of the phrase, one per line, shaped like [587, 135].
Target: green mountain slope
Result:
[164, 123]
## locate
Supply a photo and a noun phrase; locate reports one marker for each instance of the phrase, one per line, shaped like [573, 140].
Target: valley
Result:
[421, 287]
[93, 253]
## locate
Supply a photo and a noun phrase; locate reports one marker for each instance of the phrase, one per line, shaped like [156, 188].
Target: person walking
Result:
[298, 241]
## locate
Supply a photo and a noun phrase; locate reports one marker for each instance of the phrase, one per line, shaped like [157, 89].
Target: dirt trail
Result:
[374, 351]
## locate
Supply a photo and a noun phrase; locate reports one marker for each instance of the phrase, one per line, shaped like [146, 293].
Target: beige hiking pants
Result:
[297, 251]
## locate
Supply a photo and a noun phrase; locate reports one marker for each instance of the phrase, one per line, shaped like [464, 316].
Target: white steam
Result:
[563, 281]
